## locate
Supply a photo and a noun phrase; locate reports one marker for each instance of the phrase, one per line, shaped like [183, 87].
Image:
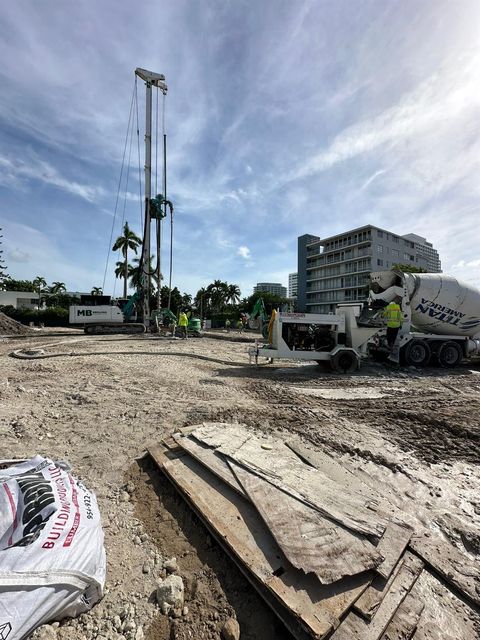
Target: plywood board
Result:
[405, 620]
[454, 567]
[237, 526]
[207, 456]
[372, 597]
[310, 541]
[392, 546]
[396, 537]
[356, 628]
[274, 461]
[338, 473]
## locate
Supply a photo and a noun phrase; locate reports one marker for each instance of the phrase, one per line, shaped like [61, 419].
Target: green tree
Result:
[270, 300]
[136, 276]
[57, 287]
[202, 301]
[175, 299]
[9, 284]
[120, 269]
[218, 294]
[40, 285]
[233, 294]
[407, 268]
[129, 240]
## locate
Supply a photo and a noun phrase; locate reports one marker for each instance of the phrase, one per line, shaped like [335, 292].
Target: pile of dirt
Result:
[10, 327]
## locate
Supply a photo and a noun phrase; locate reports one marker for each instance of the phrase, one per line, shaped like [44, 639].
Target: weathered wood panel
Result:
[391, 546]
[405, 620]
[334, 470]
[356, 628]
[207, 456]
[309, 541]
[372, 597]
[455, 567]
[396, 537]
[278, 464]
[237, 526]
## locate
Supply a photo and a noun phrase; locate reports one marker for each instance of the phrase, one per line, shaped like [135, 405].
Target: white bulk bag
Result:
[52, 558]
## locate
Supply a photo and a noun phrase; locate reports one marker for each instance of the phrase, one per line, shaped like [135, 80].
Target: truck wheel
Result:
[417, 353]
[344, 362]
[449, 354]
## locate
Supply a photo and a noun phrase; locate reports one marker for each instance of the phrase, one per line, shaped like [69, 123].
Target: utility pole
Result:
[151, 79]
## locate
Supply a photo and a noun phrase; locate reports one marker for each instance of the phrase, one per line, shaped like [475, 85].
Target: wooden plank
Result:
[356, 628]
[454, 567]
[275, 462]
[392, 546]
[405, 620]
[207, 456]
[396, 537]
[314, 607]
[338, 473]
[170, 443]
[372, 597]
[311, 542]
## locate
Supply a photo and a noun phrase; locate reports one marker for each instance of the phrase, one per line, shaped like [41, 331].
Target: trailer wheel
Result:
[449, 354]
[417, 353]
[344, 362]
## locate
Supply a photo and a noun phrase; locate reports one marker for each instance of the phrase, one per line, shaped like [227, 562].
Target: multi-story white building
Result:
[292, 285]
[336, 269]
[426, 250]
[19, 299]
[275, 288]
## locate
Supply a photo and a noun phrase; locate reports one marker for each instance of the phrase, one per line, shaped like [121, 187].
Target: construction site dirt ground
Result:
[102, 400]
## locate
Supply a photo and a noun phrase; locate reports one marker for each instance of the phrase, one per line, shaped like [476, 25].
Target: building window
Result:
[395, 253]
[395, 239]
[379, 233]
[379, 262]
[380, 248]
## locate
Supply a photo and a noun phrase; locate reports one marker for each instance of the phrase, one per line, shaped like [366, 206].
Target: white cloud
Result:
[420, 111]
[14, 172]
[17, 255]
[244, 252]
[373, 177]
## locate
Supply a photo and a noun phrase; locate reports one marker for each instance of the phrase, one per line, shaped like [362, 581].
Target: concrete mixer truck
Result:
[441, 318]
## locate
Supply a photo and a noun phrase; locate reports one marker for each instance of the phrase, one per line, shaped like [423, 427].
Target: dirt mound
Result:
[11, 327]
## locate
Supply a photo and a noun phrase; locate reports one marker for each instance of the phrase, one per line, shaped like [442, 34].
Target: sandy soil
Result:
[102, 400]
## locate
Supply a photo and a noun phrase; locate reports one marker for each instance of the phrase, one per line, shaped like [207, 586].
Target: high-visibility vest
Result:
[393, 315]
[183, 320]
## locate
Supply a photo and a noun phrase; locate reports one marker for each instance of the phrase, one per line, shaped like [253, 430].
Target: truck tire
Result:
[449, 355]
[344, 362]
[417, 353]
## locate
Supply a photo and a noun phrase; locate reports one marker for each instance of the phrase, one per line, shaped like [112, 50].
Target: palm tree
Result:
[129, 240]
[186, 300]
[218, 293]
[97, 291]
[57, 287]
[233, 294]
[202, 300]
[39, 285]
[136, 276]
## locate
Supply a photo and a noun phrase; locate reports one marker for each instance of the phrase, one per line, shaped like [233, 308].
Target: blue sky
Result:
[283, 117]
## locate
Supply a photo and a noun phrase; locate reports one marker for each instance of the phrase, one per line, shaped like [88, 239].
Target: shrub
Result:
[51, 317]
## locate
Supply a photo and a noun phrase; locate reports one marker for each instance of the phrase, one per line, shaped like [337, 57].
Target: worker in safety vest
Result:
[393, 316]
[183, 324]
